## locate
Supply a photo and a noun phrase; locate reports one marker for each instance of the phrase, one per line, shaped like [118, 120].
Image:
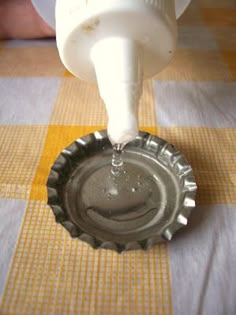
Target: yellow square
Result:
[216, 3]
[211, 153]
[54, 274]
[79, 103]
[196, 65]
[21, 148]
[225, 37]
[68, 74]
[192, 17]
[219, 17]
[30, 62]
[58, 138]
[230, 60]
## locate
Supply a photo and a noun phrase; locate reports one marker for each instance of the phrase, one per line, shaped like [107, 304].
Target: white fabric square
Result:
[27, 100]
[195, 104]
[11, 214]
[203, 263]
[196, 37]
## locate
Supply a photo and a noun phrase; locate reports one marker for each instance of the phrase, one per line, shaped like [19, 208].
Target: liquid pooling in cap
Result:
[146, 202]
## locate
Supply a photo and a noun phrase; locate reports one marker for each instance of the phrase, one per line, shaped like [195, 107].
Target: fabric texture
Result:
[191, 104]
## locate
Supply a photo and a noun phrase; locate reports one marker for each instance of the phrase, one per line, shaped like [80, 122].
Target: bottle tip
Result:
[122, 136]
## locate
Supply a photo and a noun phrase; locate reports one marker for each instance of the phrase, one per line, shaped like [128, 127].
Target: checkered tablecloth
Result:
[191, 104]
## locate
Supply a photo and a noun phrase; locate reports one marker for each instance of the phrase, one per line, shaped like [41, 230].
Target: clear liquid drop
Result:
[117, 159]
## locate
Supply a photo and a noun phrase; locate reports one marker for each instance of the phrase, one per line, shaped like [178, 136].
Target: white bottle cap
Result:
[46, 9]
[117, 43]
[117, 63]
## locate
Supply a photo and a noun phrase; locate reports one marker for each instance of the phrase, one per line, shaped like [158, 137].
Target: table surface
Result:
[192, 104]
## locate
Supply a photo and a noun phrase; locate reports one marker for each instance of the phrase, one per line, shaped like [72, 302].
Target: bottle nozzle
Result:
[117, 63]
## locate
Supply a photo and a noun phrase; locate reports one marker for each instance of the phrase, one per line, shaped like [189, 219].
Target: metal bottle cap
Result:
[75, 184]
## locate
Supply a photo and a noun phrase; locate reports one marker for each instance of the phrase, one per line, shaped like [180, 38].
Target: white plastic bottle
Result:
[117, 43]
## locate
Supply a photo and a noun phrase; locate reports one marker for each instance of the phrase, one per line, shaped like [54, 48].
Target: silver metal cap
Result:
[80, 176]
